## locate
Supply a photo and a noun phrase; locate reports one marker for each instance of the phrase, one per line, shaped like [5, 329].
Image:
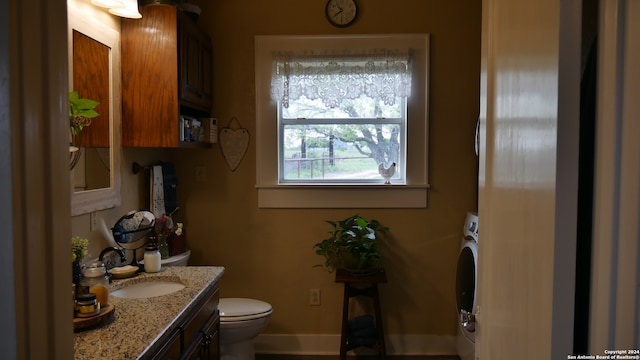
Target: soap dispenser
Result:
[152, 262]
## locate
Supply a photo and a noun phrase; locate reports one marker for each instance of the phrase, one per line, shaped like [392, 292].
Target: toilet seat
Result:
[242, 309]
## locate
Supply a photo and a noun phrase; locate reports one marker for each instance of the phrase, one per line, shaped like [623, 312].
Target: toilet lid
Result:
[240, 309]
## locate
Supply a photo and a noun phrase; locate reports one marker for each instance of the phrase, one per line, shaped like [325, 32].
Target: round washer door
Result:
[466, 278]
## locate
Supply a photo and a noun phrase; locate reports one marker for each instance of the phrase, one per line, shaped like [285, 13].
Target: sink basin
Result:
[148, 289]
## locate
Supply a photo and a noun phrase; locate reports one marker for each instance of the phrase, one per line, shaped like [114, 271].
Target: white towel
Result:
[157, 191]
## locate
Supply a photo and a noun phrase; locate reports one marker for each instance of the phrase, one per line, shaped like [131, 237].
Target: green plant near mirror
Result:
[352, 245]
[81, 111]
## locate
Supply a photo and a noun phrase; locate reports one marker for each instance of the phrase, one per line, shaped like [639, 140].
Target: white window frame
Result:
[413, 194]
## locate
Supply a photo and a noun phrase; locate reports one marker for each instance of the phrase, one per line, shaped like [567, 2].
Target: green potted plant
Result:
[81, 111]
[79, 249]
[352, 245]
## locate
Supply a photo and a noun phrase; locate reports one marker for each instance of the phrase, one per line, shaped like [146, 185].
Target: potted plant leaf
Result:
[352, 245]
[81, 111]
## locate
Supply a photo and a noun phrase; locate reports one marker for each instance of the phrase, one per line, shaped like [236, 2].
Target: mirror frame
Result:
[83, 202]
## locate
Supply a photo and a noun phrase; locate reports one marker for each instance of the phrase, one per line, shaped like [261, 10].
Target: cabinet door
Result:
[166, 72]
[195, 66]
[211, 345]
[194, 325]
[197, 330]
[206, 75]
[150, 107]
[190, 90]
[194, 352]
[171, 348]
[207, 346]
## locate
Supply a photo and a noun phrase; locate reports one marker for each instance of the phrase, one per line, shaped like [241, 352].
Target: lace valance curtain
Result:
[332, 77]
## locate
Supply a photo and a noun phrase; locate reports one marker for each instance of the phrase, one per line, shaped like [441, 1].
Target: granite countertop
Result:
[138, 323]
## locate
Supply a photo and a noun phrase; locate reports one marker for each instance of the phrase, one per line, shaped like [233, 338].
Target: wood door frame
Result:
[36, 302]
[615, 317]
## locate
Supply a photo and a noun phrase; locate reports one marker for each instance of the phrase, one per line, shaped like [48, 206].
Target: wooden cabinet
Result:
[196, 53]
[200, 329]
[206, 345]
[171, 348]
[197, 335]
[166, 72]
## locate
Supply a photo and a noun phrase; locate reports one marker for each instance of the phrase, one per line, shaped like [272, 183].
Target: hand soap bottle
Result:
[152, 260]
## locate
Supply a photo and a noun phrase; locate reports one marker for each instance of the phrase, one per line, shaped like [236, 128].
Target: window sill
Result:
[343, 196]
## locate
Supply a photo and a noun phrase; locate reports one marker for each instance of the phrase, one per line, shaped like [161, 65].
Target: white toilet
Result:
[175, 260]
[241, 320]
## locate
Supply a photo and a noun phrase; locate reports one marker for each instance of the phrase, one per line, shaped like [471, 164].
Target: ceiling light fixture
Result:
[129, 10]
[107, 3]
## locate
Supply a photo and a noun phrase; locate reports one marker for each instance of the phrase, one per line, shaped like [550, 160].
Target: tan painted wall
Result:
[268, 253]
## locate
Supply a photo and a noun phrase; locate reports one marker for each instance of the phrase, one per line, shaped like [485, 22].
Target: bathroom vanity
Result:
[182, 324]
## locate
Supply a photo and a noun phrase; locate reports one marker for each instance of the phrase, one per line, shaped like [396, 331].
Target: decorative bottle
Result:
[177, 240]
[163, 246]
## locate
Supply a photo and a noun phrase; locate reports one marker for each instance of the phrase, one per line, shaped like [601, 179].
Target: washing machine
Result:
[466, 280]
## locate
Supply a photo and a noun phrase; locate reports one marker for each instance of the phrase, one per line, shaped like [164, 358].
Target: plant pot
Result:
[363, 272]
[352, 246]
[76, 273]
[349, 262]
[74, 156]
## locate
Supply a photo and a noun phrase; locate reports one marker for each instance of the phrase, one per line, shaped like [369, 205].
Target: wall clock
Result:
[341, 13]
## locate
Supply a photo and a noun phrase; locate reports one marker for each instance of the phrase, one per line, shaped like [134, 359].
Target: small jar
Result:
[95, 278]
[152, 261]
[87, 305]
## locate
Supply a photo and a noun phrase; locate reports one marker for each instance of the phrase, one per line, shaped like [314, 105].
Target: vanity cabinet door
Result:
[207, 345]
[194, 352]
[200, 330]
[196, 337]
[171, 348]
[210, 346]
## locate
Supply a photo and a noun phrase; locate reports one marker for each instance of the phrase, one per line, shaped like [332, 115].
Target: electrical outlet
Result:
[94, 221]
[201, 174]
[314, 297]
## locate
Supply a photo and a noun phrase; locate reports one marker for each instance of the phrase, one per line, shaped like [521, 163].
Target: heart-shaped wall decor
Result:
[234, 144]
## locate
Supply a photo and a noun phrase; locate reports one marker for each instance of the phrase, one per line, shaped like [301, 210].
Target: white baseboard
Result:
[329, 344]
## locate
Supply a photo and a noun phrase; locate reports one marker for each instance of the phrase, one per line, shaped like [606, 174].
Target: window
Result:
[341, 116]
[319, 145]
[328, 120]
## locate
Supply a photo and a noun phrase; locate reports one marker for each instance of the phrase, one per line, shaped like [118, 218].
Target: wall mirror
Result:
[94, 71]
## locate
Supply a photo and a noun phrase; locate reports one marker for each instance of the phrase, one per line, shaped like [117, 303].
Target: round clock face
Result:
[341, 13]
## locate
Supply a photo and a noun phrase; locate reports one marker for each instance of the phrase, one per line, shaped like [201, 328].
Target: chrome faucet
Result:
[109, 265]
